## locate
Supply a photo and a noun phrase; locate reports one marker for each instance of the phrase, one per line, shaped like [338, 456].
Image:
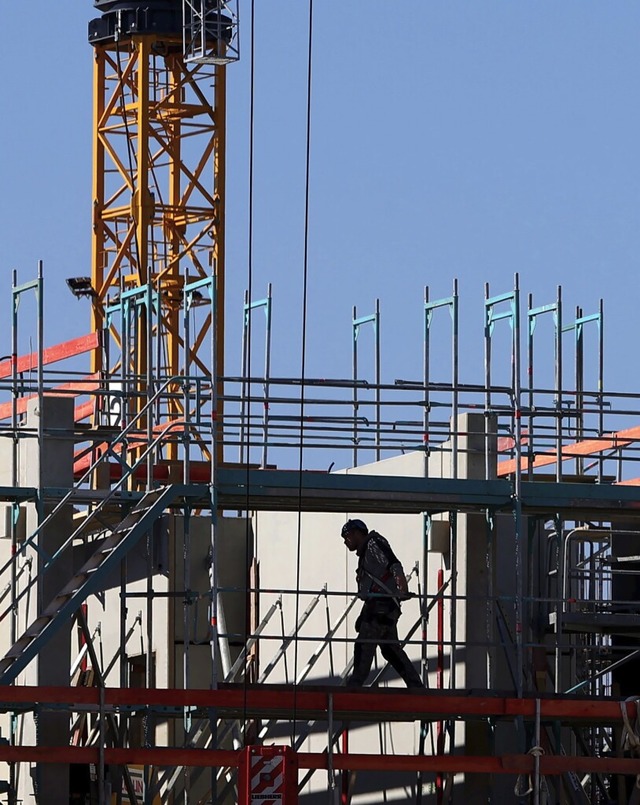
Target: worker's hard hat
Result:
[353, 525]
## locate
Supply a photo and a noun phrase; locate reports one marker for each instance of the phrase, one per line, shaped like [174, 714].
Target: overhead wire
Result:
[303, 346]
[246, 386]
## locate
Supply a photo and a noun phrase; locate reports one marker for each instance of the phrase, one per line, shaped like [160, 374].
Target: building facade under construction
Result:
[179, 610]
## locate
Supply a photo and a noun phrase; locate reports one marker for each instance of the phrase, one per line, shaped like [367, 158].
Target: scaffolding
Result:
[181, 644]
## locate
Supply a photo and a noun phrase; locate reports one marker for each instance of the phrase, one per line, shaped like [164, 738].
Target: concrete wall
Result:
[38, 465]
[165, 623]
[147, 626]
[298, 555]
[305, 551]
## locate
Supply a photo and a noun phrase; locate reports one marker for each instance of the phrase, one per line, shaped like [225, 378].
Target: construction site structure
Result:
[179, 610]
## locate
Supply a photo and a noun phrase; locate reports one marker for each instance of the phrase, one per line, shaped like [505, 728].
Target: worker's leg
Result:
[364, 651]
[393, 652]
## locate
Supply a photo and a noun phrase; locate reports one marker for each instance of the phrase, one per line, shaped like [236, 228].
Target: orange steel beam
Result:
[67, 349]
[69, 389]
[613, 441]
[84, 410]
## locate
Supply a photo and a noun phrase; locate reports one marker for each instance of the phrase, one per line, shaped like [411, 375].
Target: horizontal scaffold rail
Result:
[290, 490]
[466, 764]
[9, 494]
[280, 701]
[264, 490]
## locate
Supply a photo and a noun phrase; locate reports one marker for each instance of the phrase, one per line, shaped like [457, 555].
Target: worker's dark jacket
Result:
[377, 566]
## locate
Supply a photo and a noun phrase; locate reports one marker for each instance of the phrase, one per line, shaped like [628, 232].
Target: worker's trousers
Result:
[377, 627]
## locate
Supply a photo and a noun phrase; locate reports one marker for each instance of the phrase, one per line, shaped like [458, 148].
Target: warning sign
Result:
[136, 775]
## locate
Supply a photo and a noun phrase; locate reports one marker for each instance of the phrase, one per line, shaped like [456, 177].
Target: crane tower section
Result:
[159, 183]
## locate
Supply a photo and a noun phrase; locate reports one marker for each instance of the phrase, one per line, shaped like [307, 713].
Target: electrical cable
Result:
[303, 348]
[247, 323]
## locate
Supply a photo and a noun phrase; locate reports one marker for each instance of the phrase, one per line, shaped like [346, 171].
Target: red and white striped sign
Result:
[267, 780]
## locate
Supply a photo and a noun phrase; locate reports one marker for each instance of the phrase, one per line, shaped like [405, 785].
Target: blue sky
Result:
[450, 138]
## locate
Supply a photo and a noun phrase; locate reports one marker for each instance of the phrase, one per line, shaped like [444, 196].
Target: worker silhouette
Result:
[382, 585]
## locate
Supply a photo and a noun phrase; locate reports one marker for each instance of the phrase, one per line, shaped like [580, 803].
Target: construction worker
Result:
[382, 585]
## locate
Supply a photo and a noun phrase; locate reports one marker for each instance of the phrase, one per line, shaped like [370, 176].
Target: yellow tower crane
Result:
[159, 186]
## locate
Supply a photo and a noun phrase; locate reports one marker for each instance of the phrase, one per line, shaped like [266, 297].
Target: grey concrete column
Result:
[49, 464]
[476, 438]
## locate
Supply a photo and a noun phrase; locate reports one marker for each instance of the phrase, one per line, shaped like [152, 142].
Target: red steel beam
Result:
[76, 389]
[67, 349]
[200, 471]
[84, 410]
[468, 764]
[85, 457]
[588, 447]
[362, 704]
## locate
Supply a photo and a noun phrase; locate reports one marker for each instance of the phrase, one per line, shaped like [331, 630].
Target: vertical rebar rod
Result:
[600, 382]
[426, 378]
[561, 603]
[331, 778]
[579, 386]
[490, 605]
[267, 375]
[354, 364]
[558, 383]
[40, 295]
[519, 536]
[149, 718]
[246, 319]
[531, 322]
[40, 418]
[186, 626]
[213, 549]
[440, 727]
[487, 361]
[186, 457]
[455, 435]
[101, 748]
[512, 315]
[14, 484]
[453, 608]
[536, 758]
[378, 381]
[451, 303]
[245, 400]
[454, 377]
[159, 341]
[149, 378]
[424, 669]
[123, 669]
[356, 324]
[124, 369]
[424, 613]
